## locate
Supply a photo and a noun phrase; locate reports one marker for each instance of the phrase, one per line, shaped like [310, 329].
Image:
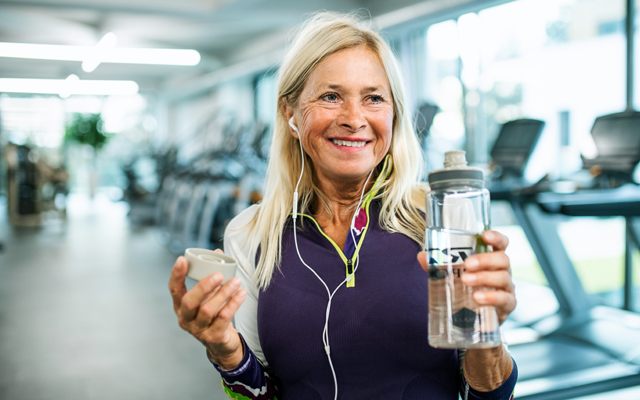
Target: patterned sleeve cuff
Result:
[250, 380]
[503, 392]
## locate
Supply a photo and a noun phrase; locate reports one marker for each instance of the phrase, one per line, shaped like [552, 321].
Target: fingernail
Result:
[480, 296]
[469, 278]
[471, 263]
[489, 235]
[235, 282]
[215, 279]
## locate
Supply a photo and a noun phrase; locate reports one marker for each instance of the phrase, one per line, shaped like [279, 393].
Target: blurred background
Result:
[131, 130]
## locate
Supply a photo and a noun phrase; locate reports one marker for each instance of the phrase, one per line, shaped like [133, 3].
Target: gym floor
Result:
[85, 312]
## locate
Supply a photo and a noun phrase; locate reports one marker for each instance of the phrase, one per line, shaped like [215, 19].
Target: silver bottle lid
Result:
[456, 169]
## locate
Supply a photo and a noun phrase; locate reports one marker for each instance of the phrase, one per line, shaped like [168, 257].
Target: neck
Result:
[343, 198]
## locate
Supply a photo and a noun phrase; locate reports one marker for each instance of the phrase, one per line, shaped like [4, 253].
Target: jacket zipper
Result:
[348, 262]
[351, 278]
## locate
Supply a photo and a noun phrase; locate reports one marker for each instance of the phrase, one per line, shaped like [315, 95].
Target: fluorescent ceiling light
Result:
[108, 41]
[107, 55]
[69, 85]
[66, 87]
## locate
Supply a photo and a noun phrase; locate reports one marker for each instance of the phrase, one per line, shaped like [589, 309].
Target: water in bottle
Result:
[457, 214]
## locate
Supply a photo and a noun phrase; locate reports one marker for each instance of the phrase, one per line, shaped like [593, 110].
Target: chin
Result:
[353, 175]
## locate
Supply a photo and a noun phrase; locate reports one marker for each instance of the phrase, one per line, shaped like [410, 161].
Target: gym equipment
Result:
[209, 184]
[584, 348]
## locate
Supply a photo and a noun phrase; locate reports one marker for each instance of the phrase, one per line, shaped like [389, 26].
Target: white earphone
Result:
[325, 331]
[295, 128]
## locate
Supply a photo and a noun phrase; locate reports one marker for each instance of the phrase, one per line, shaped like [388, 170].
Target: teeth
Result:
[348, 143]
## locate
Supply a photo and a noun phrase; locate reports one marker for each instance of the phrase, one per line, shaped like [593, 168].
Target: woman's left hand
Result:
[490, 270]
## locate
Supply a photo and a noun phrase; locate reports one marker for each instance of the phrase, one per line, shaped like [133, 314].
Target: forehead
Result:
[354, 66]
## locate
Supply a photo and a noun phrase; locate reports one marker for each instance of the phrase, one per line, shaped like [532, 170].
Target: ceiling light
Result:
[107, 55]
[108, 41]
[70, 86]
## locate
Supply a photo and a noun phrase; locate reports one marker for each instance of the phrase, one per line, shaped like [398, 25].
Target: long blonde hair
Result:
[401, 194]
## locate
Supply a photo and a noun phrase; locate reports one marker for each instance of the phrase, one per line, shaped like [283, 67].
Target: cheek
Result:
[314, 120]
[384, 127]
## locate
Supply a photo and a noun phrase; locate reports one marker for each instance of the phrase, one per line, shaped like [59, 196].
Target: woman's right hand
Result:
[206, 311]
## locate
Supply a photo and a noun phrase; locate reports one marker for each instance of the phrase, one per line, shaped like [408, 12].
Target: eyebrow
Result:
[369, 89]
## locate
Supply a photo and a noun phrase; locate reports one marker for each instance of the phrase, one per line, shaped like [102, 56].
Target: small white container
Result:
[204, 262]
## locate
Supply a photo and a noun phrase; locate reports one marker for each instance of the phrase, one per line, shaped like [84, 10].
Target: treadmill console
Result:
[515, 144]
[617, 139]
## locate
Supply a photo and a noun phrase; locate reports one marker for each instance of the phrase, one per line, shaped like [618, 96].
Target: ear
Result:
[287, 111]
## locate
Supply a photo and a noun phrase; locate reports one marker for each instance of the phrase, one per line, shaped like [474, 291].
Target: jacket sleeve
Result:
[252, 378]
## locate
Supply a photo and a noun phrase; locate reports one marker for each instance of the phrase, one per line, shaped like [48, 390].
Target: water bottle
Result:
[457, 214]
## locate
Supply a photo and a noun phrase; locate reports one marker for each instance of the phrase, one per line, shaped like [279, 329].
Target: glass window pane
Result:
[544, 59]
[596, 248]
[561, 61]
[444, 89]
[266, 92]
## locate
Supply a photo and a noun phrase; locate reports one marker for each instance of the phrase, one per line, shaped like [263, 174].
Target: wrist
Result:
[229, 361]
[489, 354]
[486, 369]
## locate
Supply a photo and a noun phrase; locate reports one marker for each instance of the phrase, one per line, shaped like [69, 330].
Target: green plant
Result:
[86, 129]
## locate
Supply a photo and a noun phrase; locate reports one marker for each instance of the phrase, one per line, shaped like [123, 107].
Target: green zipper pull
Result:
[351, 277]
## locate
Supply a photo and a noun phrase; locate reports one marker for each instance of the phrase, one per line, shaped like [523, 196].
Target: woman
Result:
[337, 306]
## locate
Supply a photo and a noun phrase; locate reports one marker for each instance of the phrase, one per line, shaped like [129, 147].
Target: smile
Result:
[348, 143]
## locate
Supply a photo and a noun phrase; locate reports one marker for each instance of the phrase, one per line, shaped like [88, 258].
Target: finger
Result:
[176, 282]
[493, 261]
[422, 258]
[492, 279]
[219, 251]
[197, 295]
[505, 302]
[227, 312]
[497, 240]
[209, 310]
[221, 323]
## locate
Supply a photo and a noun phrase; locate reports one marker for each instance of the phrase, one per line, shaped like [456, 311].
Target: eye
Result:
[331, 97]
[376, 99]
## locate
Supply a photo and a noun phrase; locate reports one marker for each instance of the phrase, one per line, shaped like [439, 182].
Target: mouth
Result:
[349, 143]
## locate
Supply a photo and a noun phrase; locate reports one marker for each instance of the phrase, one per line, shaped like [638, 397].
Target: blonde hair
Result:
[401, 195]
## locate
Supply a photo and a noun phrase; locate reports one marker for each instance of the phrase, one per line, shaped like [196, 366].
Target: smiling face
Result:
[345, 115]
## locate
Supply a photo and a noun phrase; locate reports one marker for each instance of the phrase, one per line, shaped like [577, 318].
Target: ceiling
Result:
[227, 33]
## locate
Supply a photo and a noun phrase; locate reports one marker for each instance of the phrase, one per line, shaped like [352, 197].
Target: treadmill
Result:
[583, 348]
[617, 139]
[510, 155]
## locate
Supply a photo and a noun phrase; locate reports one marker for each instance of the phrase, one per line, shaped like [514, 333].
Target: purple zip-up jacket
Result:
[378, 331]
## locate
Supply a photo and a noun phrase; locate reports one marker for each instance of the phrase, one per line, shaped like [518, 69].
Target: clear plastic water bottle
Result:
[457, 214]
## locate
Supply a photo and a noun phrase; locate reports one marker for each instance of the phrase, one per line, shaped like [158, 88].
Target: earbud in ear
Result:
[295, 128]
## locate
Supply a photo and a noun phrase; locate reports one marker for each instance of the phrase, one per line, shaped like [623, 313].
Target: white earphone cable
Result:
[325, 330]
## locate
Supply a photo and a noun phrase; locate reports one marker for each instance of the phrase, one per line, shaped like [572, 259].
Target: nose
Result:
[352, 116]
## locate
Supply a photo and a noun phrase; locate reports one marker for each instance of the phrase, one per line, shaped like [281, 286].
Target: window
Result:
[561, 61]
[266, 92]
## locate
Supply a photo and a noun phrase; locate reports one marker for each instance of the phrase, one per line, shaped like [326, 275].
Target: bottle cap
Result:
[456, 169]
[455, 159]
